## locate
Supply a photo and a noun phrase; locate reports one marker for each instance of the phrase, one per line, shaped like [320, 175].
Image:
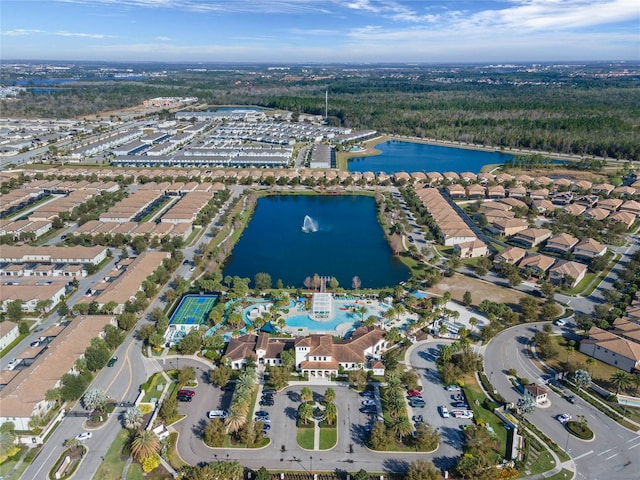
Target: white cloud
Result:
[21, 32]
[85, 35]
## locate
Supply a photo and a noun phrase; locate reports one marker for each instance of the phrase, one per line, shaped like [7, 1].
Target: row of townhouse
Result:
[455, 231]
[619, 346]
[133, 207]
[18, 199]
[51, 255]
[19, 229]
[40, 369]
[135, 229]
[32, 294]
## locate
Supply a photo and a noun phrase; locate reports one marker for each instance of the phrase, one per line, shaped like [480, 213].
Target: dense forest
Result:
[550, 111]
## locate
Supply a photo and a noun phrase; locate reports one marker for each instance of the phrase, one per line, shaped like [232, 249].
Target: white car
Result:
[444, 411]
[561, 322]
[12, 364]
[84, 436]
[564, 418]
[217, 414]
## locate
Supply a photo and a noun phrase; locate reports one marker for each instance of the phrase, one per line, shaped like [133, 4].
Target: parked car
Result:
[561, 322]
[184, 398]
[12, 364]
[444, 411]
[265, 402]
[459, 405]
[269, 391]
[84, 436]
[452, 388]
[229, 387]
[570, 398]
[462, 413]
[369, 409]
[417, 418]
[417, 403]
[35, 344]
[217, 414]
[261, 413]
[112, 361]
[367, 393]
[414, 393]
[564, 417]
[368, 402]
[263, 419]
[186, 393]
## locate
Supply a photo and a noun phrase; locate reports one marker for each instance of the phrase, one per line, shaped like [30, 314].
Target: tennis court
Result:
[193, 309]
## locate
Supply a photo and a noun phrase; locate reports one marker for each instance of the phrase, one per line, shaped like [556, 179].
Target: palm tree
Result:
[402, 427]
[306, 394]
[636, 381]
[389, 313]
[132, 418]
[621, 380]
[144, 445]
[329, 395]
[331, 413]
[400, 310]
[236, 420]
[305, 412]
[361, 311]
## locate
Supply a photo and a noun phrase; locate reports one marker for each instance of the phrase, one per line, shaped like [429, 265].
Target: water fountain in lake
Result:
[309, 225]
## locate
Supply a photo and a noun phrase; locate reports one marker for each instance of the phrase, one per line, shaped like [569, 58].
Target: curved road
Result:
[615, 452]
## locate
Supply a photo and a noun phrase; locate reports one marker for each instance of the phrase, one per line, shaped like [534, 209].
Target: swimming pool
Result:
[342, 314]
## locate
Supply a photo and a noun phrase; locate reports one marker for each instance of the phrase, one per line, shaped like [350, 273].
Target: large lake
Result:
[410, 157]
[348, 242]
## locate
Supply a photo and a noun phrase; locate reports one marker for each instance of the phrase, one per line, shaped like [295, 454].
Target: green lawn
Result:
[543, 463]
[562, 475]
[328, 438]
[305, 437]
[151, 391]
[135, 472]
[112, 466]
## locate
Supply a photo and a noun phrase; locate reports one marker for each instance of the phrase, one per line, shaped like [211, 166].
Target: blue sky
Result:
[287, 31]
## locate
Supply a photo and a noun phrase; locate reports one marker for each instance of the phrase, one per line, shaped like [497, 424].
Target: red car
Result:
[414, 393]
[186, 393]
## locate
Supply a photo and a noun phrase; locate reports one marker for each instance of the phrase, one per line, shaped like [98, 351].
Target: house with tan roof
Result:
[511, 255]
[536, 265]
[544, 206]
[475, 191]
[562, 183]
[514, 203]
[468, 177]
[626, 329]
[583, 185]
[434, 178]
[602, 189]
[504, 178]
[631, 206]
[543, 181]
[456, 191]
[453, 177]
[25, 395]
[539, 194]
[473, 249]
[612, 349]
[532, 237]
[626, 218]
[588, 249]
[612, 204]
[517, 192]
[561, 243]
[567, 272]
[496, 191]
[597, 213]
[574, 209]
[625, 191]
[508, 227]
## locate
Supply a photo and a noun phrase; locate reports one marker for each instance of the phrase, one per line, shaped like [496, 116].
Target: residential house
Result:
[625, 328]
[612, 349]
[539, 194]
[476, 191]
[626, 218]
[602, 189]
[625, 191]
[517, 192]
[508, 227]
[511, 255]
[476, 248]
[589, 201]
[612, 204]
[544, 206]
[561, 243]
[597, 213]
[574, 209]
[631, 206]
[496, 191]
[514, 203]
[532, 237]
[468, 177]
[456, 191]
[583, 185]
[536, 265]
[567, 272]
[589, 249]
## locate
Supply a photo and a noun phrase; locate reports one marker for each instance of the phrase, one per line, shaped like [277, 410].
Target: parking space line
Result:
[602, 453]
[611, 456]
[583, 455]
[634, 439]
[634, 446]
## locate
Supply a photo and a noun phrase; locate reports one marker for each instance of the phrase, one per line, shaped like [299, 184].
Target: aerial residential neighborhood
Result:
[319, 240]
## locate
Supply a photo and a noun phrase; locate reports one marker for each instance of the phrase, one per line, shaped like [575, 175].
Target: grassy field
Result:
[328, 438]
[112, 466]
[305, 437]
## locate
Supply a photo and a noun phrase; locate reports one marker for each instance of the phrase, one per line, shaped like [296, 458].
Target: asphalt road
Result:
[611, 455]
